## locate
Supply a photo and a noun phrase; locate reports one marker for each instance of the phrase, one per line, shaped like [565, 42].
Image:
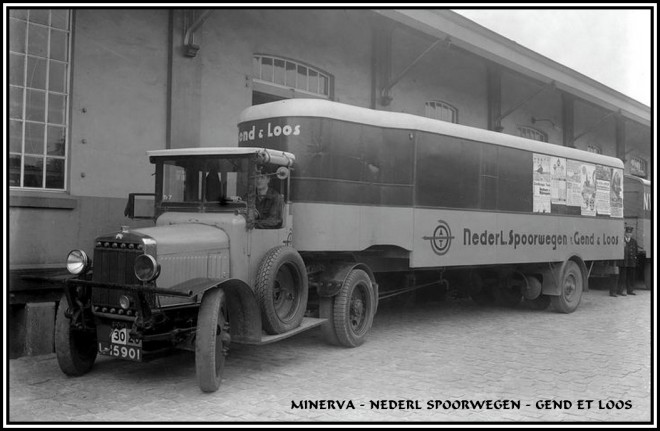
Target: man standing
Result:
[627, 266]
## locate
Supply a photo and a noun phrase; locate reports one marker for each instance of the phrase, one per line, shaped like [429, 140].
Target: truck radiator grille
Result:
[115, 264]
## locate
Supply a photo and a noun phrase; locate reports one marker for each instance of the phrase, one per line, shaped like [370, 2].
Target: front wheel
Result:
[571, 287]
[75, 348]
[354, 309]
[212, 340]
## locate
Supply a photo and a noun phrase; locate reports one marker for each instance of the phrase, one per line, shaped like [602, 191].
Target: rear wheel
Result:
[75, 348]
[212, 340]
[571, 287]
[354, 309]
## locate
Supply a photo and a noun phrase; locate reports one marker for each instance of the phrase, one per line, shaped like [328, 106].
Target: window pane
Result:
[267, 69]
[15, 135]
[56, 141]
[290, 74]
[18, 13]
[279, 72]
[34, 138]
[54, 173]
[302, 78]
[36, 105]
[324, 85]
[14, 170]
[38, 40]
[313, 81]
[17, 35]
[36, 73]
[33, 171]
[39, 16]
[256, 67]
[57, 77]
[56, 107]
[15, 102]
[59, 18]
[16, 69]
[58, 45]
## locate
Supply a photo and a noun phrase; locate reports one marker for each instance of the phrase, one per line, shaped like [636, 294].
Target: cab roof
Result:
[275, 157]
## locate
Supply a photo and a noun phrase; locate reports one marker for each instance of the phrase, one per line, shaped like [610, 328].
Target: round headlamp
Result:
[125, 302]
[146, 268]
[77, 262]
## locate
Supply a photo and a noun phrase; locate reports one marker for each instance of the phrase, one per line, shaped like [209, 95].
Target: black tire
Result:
[211, 340]
[76, 350]
[282, 290]
[570, 293]
[354, 309]
[326, 311]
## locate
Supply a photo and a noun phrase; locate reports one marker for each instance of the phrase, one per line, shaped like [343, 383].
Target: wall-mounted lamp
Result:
[552, 123]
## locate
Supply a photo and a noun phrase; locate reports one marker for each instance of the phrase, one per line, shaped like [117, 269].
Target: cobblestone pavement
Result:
[454, 351]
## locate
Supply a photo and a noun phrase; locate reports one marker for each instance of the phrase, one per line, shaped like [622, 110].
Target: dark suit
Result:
[627, 266]
[269, 207]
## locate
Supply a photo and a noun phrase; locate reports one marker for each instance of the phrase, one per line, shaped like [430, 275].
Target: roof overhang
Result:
[474, 38]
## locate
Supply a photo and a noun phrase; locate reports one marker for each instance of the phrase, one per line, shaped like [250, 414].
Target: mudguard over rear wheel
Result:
[75, 348]
[212, 340]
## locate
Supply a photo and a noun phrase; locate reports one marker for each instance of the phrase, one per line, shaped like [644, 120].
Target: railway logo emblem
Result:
[441, 239]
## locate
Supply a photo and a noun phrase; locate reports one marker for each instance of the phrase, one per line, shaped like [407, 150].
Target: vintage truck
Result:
[373, 204]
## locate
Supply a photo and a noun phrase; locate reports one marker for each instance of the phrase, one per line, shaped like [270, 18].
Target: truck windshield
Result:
[208, 183]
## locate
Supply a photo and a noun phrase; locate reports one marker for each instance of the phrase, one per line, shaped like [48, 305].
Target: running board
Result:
[307, 323]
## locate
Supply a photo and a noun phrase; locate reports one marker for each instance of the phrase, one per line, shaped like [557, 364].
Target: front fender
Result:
[243, 308]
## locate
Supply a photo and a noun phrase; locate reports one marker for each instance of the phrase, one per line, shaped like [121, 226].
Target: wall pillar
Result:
[184, 89]
[568, 119]
[494, 88]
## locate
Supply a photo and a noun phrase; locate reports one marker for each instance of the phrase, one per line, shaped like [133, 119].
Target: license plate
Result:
[121, 345]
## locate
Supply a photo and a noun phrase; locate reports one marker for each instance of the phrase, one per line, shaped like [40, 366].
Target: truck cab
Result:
[213, 270]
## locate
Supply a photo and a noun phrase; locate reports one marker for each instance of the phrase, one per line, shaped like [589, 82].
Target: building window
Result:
[531, 133]
[594, 149]
[441, 111]
[281, 78]
[638, 167]
[39, 42]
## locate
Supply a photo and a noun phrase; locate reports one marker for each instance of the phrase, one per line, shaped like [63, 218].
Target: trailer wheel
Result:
[354, 309]
[282, 289]
[211, 340]
[570, 289]
[75, 349]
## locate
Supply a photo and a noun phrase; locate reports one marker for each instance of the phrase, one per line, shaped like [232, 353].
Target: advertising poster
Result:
[588, 173]
[573, 183]
[558, 190]
[542, 183]
[603, 177]
[616, 193]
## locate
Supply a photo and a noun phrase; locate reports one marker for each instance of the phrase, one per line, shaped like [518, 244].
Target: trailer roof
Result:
[396, 120]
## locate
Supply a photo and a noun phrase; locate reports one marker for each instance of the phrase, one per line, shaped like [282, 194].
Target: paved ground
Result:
[454, 352]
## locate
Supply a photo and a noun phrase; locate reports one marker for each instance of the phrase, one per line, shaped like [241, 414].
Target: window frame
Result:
[432, 106]
[285, 89]
[532, 133]
[49, 94]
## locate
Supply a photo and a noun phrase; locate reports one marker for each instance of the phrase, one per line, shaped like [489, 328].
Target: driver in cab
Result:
[268, 204]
